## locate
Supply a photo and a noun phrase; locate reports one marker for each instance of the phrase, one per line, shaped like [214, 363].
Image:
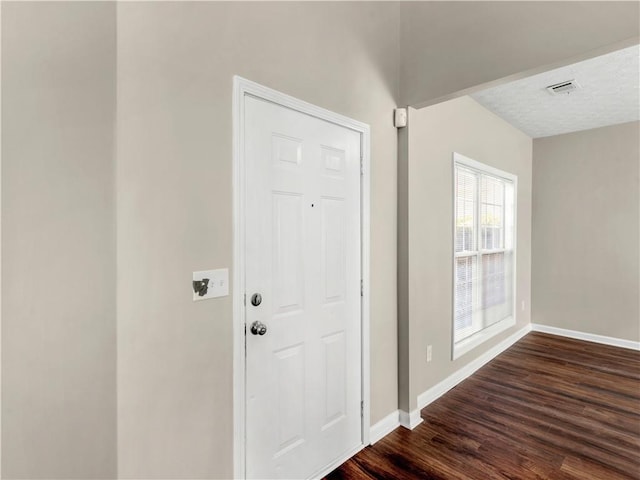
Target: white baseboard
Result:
[454, 379]
[588, 337]
[411, 419]
[384, 427]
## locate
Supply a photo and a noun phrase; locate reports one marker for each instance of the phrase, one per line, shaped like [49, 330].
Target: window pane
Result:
[493, 280]
[466, 186]
[491, 212]
[464, 295]
[497, 287]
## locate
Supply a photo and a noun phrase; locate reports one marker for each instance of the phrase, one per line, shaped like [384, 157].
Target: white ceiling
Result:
[610, 94]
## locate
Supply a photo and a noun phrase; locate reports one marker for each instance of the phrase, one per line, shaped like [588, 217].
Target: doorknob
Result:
[256, 299]
[258, 328]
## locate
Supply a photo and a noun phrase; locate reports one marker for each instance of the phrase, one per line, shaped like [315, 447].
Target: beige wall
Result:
[451, 46]
[58, 241]
[117, 234]
[586, 223]
[462, 126]
[175, 68]
[173, 203]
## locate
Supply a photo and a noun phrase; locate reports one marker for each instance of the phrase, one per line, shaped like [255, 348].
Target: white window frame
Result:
[460, 348]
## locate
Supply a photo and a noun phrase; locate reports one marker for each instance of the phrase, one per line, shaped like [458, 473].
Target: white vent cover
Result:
[563, 87]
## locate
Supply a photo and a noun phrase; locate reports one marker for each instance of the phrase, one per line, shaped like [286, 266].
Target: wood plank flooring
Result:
[547, 408]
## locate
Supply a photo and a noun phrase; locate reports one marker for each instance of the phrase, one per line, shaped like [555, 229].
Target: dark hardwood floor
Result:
[547, 408]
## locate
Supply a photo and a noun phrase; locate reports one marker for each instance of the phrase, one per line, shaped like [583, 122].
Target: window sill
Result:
[482, 336]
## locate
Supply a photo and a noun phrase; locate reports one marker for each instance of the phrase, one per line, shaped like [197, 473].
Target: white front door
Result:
[303, 257]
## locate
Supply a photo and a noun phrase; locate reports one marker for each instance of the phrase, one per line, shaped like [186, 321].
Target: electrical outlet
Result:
[523, 305]
[210, 284]
[429, 352]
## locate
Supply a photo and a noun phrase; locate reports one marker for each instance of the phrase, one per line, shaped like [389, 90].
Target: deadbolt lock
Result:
[256, 299]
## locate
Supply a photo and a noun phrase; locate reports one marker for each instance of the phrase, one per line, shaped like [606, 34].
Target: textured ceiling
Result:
[610, 94]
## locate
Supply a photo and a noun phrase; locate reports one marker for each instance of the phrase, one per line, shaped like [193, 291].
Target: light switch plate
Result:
[218, 285]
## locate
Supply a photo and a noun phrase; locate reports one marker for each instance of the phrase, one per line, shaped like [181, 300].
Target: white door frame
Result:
[242, 88]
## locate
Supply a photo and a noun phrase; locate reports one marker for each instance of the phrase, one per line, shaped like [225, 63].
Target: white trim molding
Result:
[410, 420]
[587, 337]
[482, 167]
[468, 344]
[384, 427]
[241, 89]
[454, 379]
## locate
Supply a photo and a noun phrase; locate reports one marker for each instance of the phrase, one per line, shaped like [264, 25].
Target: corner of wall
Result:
[404, 364]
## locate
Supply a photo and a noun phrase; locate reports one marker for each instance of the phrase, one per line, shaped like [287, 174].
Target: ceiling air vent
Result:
[563, 87]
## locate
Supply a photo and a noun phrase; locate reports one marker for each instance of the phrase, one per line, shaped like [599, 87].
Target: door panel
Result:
[303, 256]
[289, 373]
[333, 261]
[288, 253]
[335, 379]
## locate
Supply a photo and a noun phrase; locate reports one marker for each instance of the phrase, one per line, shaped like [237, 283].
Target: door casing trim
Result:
[241, 88]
